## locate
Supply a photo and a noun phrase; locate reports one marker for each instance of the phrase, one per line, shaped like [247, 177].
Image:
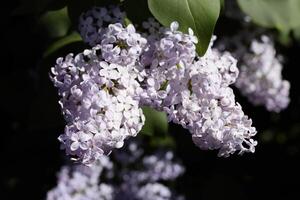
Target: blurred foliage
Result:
[296, 33]
[71, 38]
[156, 122]
[284, 15]
[56, 22]
[156, 128]
[222, 3]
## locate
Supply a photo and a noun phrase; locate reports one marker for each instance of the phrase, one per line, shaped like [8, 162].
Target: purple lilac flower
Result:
[122, 46]
[100, 103]
[260, 77]
[102, 89]
[94, 22]
[195, 93]
[98, 181]
[154, 191]
[82, 183]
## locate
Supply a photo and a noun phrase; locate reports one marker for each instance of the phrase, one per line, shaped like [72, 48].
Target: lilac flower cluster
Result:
[100, 103]
[93, 23]
[122, 46]
[145, 182]
[154, 191]
[103, 88]
[165, 63]
[96, 182]
[260, 77]
[152, 30]
[194, 92]
[82, 182]
[220, 122]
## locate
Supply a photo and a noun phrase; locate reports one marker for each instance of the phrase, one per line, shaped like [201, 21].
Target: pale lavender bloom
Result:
[167, 59]
[152, 26]
[98, 181]
[195, 93]
[94, 22]
[80, 140]
[176, 47]
[154, 191]
[100, 102]
[207, 106]
[260, 78]
[161, 166]
[153, 30]
[101, 90]
[81, 183]
[145, 171]
[121, 45]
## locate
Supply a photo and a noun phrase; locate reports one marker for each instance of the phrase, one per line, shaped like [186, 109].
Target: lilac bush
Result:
[102, 89]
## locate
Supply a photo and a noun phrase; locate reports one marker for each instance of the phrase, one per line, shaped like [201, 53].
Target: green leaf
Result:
[296, 33]
[200, 15]
[156, 122]
[127, 21]
[283, 15]
[284, 38]
[56, 23]
[73, 37]
[222, 4]
[166, 141]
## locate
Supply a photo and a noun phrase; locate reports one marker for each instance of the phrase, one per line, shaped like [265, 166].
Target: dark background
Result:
[31, 122]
